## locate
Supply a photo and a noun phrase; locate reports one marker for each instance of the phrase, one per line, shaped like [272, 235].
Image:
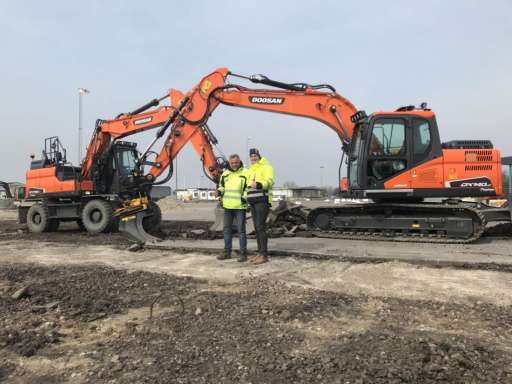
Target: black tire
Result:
[37, 219]
[153, 222]
[97, 216]
[81, 225]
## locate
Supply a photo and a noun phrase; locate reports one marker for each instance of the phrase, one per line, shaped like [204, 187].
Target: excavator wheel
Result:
[37, 219]
[153, 221]
[97, 216]
[81, 225]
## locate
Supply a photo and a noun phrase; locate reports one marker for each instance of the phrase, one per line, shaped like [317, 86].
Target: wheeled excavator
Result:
[111, 183]
[396, 159]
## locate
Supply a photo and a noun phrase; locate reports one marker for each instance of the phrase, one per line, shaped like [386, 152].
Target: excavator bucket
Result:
[218, 224]
[132, 227]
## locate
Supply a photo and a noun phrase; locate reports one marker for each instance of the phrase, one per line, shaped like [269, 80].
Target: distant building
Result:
[195, 194]
[298, 193]
[207, 194]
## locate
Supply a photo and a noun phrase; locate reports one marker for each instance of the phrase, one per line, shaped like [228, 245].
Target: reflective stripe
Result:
[233, 190]
[232, 197]
[256, 194]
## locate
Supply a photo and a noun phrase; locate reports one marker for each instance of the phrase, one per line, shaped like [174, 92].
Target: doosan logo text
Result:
[266, 100]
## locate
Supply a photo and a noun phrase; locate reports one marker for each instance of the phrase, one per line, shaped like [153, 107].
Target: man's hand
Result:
[253, 185]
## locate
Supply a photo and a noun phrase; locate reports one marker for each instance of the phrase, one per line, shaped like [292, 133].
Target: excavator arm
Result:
[318, 102]
[192, 111]
[140, 120]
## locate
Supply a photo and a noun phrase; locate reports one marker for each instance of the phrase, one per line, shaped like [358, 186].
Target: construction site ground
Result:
[80, 308]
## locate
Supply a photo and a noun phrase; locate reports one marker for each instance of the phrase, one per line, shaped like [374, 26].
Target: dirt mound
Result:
[68, 293]
[169, 204]
[270, 333]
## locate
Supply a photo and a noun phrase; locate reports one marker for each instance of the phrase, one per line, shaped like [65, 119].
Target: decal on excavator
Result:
[479, 182]
[266, 100]
[143, 121]
[205, 86]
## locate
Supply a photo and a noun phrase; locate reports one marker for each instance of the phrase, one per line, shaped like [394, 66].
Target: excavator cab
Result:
[386, 147]
[117, 172]
[398, 156]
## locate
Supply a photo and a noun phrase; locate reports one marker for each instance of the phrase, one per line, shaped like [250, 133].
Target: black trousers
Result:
[259, 212]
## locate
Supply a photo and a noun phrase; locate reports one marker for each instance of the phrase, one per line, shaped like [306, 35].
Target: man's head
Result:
[254, 154]
[234, 162]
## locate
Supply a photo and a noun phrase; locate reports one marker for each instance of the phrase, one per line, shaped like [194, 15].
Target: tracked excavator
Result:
[415, 182]
[111, 183]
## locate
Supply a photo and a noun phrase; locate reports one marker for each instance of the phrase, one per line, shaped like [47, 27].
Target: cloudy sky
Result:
[455, 55]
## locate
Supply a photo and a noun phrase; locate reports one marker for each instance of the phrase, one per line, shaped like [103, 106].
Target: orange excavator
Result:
[396, 159]
[111, 183]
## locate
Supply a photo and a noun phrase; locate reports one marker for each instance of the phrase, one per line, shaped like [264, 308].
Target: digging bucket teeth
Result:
[131, 226]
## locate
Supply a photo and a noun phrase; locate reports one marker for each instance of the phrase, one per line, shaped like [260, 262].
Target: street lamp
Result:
[247, 150]
[81, 92]
[321, 176]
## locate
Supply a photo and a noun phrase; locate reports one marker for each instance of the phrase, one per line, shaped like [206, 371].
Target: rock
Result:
[21, 293]
[198, 232]
[198, 311]
[52, 305]
[136, 248]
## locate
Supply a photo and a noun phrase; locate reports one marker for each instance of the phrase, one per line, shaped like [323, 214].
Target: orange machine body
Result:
[456, 168]
[47, 181]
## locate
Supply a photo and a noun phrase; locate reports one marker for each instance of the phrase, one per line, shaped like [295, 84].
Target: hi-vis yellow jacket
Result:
[262, 173]
[232, 187]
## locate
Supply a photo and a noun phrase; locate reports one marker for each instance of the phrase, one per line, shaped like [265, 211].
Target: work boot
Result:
[224, 256]
[260, 259]
[242, 257]
[252, 257]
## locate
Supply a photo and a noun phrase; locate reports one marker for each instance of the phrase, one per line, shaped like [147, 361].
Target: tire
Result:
[37, 219]
[97, 216]
[81, 225]
[153, 222]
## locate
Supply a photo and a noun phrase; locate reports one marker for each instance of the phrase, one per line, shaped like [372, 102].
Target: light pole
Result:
[321, 176]
[247, 141]
[81, 92]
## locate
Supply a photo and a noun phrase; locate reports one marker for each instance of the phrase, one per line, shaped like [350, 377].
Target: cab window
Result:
[421, 138]
[388, 138]
[387, 150]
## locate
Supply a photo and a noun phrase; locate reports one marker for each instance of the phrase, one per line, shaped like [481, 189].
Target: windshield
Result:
[126, 160]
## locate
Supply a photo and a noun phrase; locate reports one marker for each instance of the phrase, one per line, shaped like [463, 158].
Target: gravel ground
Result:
[92, 325]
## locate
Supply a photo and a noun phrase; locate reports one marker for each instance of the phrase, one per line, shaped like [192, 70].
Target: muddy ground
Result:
[94, 325]
[90, 312]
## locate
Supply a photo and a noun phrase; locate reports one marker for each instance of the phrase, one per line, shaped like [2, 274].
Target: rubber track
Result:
[404, 237]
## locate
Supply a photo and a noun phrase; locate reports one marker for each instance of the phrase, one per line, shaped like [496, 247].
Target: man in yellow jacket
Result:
[232, 189]
[259, 196]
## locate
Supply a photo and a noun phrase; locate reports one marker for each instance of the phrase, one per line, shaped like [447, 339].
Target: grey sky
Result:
[456, 55]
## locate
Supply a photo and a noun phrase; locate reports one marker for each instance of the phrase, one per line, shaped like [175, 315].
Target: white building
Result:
[297, 193]
[195, 194]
